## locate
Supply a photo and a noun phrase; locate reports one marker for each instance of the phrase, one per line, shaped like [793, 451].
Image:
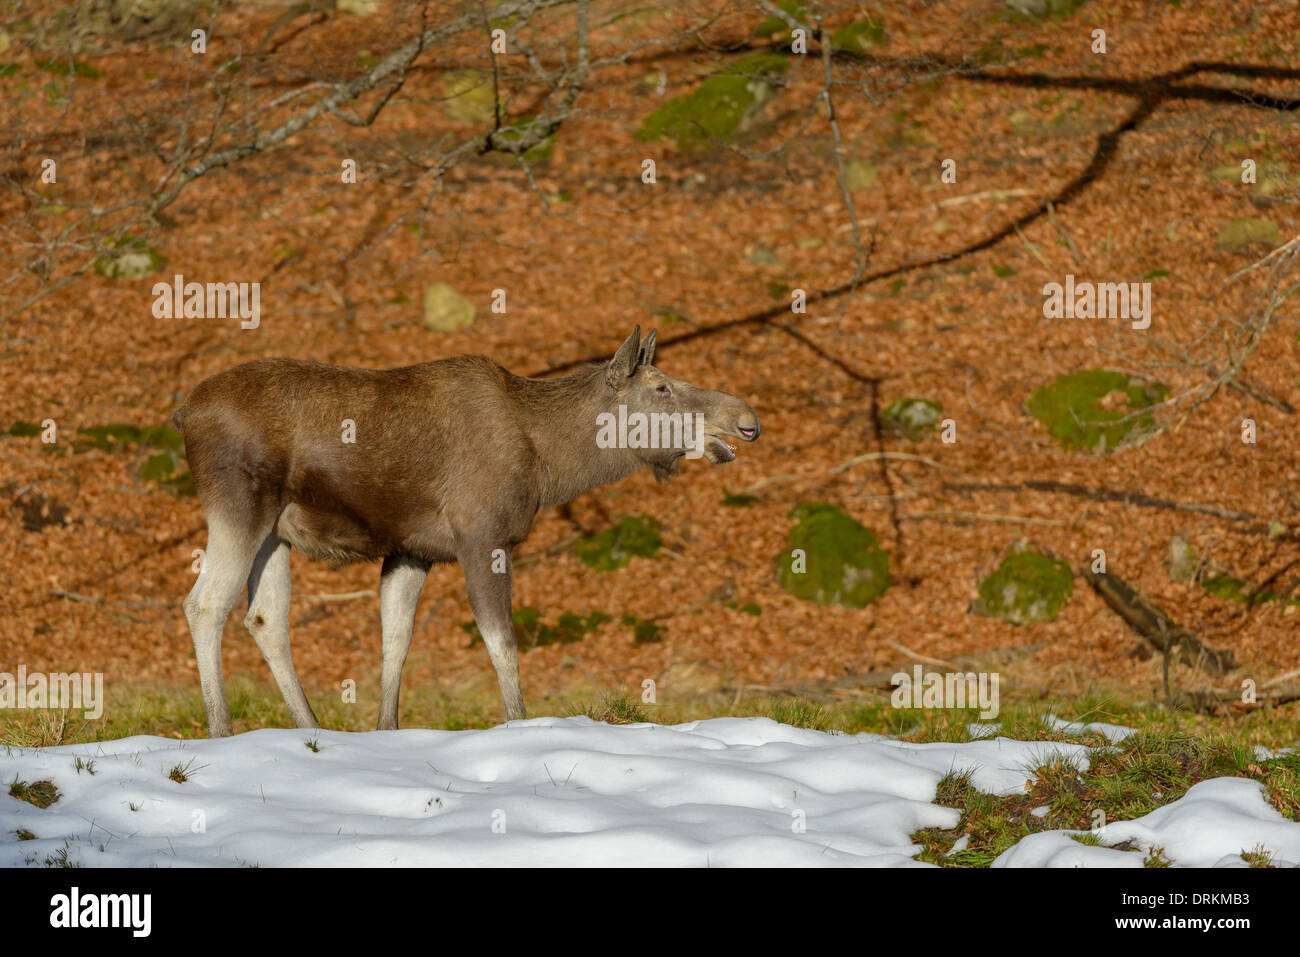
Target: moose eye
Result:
[663, 389]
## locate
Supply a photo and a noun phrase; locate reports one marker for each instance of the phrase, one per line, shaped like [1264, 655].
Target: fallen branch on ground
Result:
[1149, 621]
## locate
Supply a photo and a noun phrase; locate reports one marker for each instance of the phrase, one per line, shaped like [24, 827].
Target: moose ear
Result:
[646, 357]
[624, 362]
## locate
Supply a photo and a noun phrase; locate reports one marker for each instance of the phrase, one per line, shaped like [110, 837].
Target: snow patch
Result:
[567, 792]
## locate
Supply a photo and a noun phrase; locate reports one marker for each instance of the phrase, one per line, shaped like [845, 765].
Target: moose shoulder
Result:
[443, 461]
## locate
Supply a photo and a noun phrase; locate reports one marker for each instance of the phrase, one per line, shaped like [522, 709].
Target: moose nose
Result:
[748, 427]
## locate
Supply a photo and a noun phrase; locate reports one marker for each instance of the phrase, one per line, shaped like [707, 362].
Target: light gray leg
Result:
[268, 622]
[226, 561]
[489, 597]
[400, 583]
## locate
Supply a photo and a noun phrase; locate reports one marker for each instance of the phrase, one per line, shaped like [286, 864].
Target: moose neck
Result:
[559, 416]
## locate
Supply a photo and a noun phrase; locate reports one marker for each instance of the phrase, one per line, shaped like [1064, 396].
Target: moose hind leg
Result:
[268, 622]
[489, 597]
[226, 561]
[400, 583]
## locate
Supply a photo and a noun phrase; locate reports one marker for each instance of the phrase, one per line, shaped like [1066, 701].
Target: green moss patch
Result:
[632, 536]
[532, 632]
[24, 430]
[1027, 586]
[720, 108]
[644, 631]
[774, 25]
[1228, 588]
[1096, 410]
[840, 561]
[163, 467]
[858, 37]
[115, 436]
[67, 66]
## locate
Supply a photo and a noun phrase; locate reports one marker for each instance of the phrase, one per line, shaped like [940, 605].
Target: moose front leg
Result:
[488, 580]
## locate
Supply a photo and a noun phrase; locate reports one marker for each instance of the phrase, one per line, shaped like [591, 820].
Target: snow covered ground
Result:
[570, 791]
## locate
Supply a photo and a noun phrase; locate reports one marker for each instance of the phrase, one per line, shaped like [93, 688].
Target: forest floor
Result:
[1129, 148]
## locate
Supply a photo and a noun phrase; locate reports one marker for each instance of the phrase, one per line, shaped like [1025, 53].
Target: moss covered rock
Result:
[721, 108]
[1090, 410]
[543, 150]
[1027, 586]
[838, 560]
[446, 310]
[912, 418]
[859, 175]
[1273, 180]
[1183, 562]
[130, 258]
[1242, 233]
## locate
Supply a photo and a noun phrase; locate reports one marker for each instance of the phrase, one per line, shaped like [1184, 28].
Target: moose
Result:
[442, 461]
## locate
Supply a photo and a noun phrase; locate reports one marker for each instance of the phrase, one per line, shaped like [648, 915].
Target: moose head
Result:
[665, 419]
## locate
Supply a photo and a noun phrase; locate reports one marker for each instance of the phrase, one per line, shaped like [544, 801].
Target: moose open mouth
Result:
[719, 451]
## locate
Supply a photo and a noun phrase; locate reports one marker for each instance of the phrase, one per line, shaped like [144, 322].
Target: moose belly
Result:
[339, 538]
[328, 535]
